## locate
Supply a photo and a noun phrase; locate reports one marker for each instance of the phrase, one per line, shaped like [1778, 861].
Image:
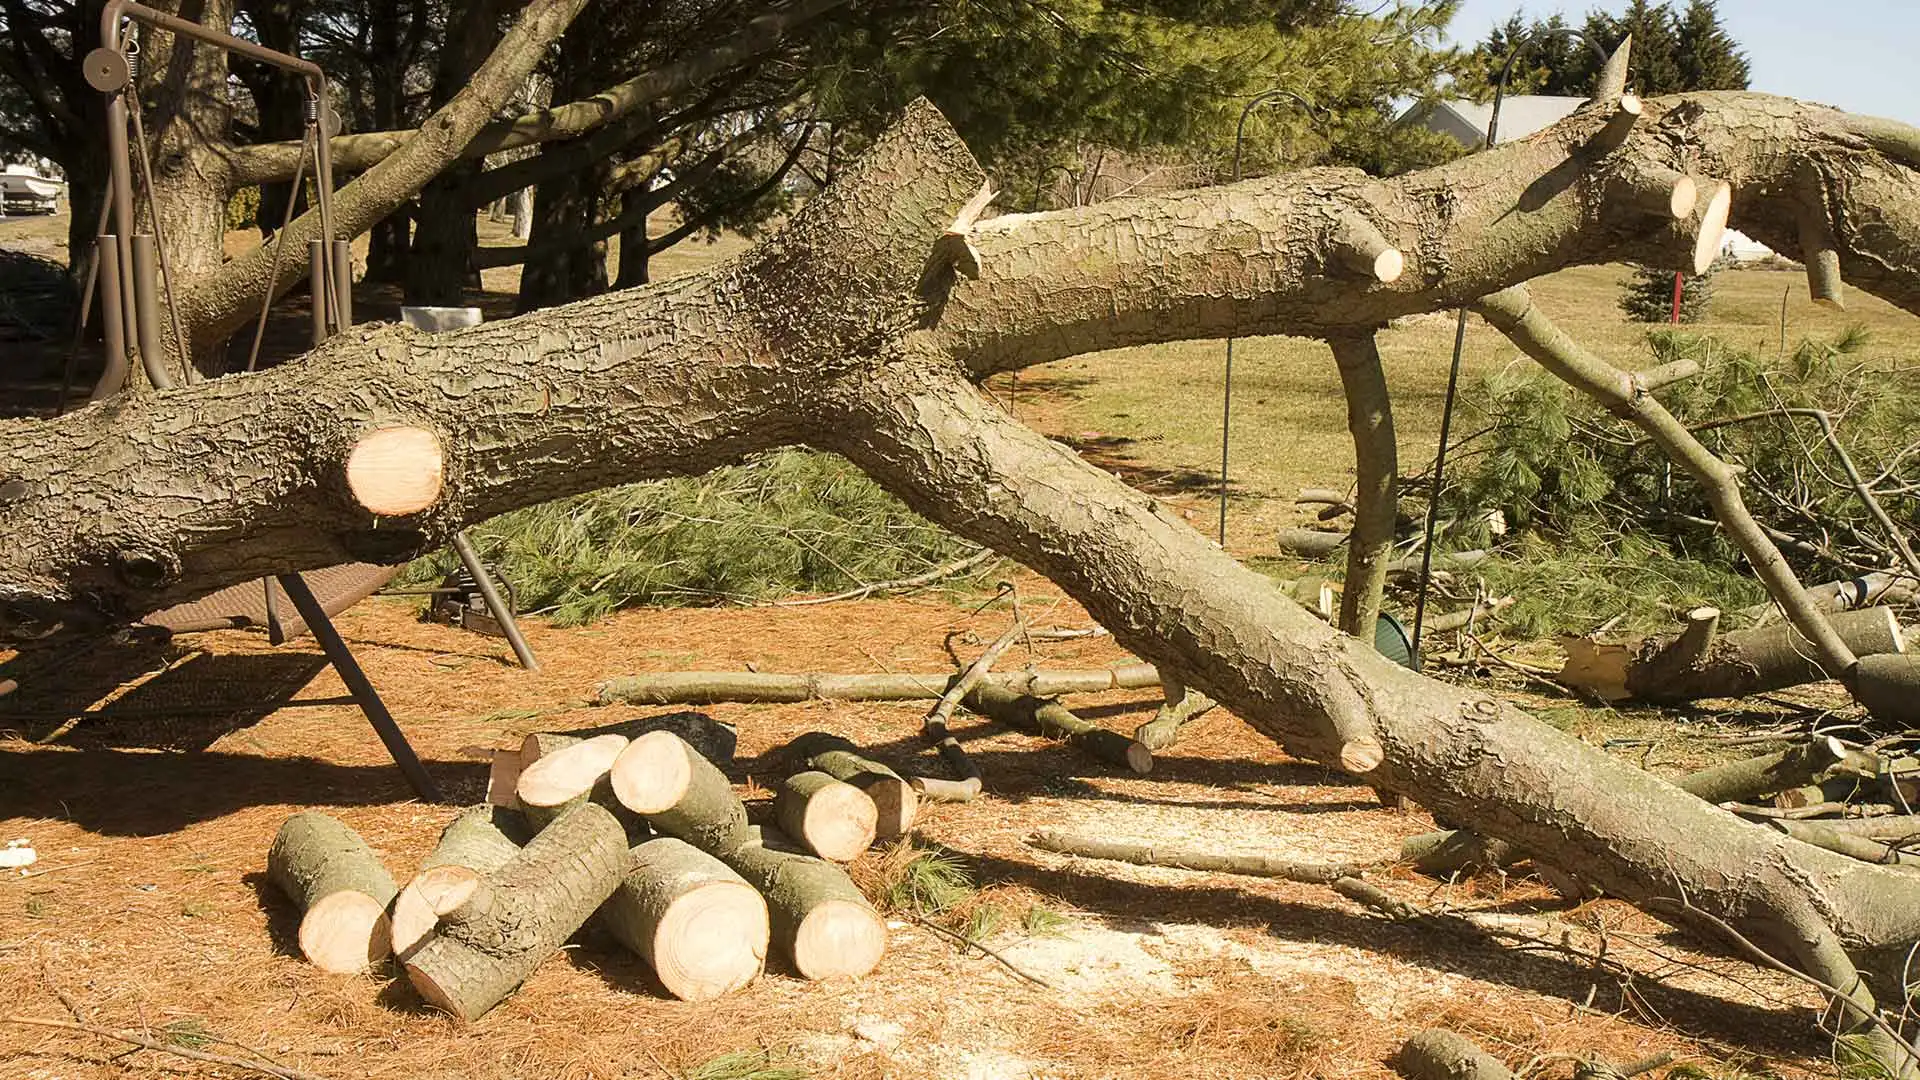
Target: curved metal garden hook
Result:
[1226, 396]
[1460, 327]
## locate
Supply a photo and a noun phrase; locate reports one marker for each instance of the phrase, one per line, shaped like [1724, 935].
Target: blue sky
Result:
[1858, 55]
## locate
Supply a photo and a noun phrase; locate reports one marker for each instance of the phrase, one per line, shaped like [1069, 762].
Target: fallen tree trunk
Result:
[829, 817]
[1889, 686]
[480, 840]
[341, 889]
[1046, 716]
[864, 326]
[521, 913]
[715, 687]
[821, 922]
[1702, 663]
[700, 927]
[894, 799]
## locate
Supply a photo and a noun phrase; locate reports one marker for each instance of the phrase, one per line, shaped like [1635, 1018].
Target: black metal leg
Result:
[501, 611]
[363, 692]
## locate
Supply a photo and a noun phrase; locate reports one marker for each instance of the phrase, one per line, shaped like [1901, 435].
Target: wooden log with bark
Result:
[894, 798]
[821, 922]
[522, 913]
[1046, 716]
[699, 925]
[565, 774]
[478, 841]
[829, 817]
[714, 687]
[340, 887]
[1183, 705]
[1700, 662]
[1440, 1054]
[679, 792]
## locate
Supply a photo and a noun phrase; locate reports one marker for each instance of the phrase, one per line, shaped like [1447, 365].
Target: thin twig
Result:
[964, 940]
[936, 723]
[179, 1051]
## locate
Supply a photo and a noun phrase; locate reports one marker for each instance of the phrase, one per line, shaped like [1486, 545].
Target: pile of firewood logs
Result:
[636, 822]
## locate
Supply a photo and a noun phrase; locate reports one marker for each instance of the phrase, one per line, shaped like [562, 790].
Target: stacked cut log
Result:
[702, 903]
[894, 799]
[341, 888]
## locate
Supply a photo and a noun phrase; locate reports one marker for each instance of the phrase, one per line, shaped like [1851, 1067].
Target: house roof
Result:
[1520, 114]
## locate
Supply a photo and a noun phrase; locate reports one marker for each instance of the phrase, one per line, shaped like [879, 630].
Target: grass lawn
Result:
[1155, 412]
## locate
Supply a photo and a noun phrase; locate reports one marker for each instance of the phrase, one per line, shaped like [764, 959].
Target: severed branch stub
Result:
[1357, 247]
[396, 471]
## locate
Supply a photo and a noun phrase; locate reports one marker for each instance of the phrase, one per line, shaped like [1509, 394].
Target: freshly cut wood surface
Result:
[396, 471]
[831, 818]
[679, 792]
[341, 888]
[568, 773]
[701, 927]
[821, 921]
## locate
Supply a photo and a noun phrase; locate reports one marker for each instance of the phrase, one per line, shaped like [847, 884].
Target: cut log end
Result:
[712, 941]
[835, 820]
[568, 773]
[896, 804]
[431, 894]
[396, 471]
[433, 993]
[839, 937]
[1361, 756]
[1682, 197]
[1713, 226]
[1388, 266]
[346, 933]
[652, 774]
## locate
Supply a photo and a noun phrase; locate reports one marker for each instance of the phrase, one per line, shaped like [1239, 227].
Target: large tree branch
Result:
[760, 35]
[219, 303]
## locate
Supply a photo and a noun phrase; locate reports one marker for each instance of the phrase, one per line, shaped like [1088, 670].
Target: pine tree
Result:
[1673, 52]
[1648, 295]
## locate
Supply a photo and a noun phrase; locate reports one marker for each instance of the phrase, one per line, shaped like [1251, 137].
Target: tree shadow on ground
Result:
[1114, 453]
[1782, 1031]
[192, 701]
[116, 792]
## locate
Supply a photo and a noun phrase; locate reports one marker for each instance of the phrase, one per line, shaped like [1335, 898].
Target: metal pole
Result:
[343, 282]
[113, 327]
[363, 692]
[146, 300]
[86, 310]
[501, 611]
[317, 286]
[1460, 342]
[122, 196]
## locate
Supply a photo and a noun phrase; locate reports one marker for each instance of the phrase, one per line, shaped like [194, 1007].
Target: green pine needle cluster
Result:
[783, 523]
[1604, 524]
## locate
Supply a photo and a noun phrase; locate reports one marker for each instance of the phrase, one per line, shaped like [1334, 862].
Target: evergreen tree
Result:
[1673, 52]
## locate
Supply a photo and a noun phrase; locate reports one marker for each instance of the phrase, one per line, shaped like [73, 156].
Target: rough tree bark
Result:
[853, 331]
